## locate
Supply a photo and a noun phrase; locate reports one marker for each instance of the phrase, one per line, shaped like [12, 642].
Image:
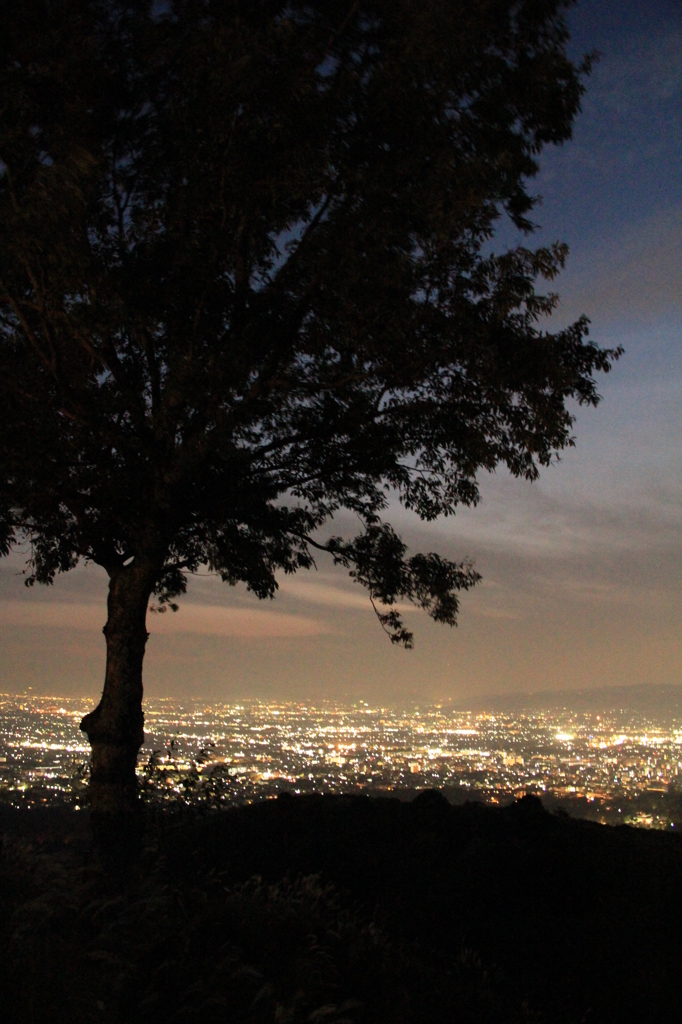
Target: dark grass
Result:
[337, 909]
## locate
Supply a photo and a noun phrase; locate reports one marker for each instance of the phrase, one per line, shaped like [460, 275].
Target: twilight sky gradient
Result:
[581, 570]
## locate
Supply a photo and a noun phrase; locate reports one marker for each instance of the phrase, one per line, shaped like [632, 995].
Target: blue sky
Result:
[582, 569]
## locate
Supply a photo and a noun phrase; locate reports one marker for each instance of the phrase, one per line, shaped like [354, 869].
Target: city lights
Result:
[231, 753]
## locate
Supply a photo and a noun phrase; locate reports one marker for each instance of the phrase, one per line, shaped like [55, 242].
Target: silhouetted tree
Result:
[246, 281]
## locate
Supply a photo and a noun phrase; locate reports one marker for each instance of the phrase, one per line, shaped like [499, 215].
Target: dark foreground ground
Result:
[330, 909]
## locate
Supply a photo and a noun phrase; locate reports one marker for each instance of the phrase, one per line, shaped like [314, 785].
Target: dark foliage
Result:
[244, 280]
[362, 910]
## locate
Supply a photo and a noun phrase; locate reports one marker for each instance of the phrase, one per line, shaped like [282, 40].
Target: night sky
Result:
[581, 569]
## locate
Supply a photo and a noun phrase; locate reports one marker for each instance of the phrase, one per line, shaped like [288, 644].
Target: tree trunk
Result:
[115, 728]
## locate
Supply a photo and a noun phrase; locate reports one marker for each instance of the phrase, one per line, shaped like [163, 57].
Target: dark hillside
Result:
[421, 912]
[572, 914]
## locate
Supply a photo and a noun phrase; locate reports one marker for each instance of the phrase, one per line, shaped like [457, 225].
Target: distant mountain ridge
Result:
[659, 700]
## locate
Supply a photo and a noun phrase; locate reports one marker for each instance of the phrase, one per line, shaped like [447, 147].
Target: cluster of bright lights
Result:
[234, 752]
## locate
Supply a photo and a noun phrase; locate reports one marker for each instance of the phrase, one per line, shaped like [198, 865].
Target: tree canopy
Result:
[248, 279]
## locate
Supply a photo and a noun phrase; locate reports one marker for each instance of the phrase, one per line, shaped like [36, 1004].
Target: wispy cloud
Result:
[52, 614]
[325, 594]
[204, 620]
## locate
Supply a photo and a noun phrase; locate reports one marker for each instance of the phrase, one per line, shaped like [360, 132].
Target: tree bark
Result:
[115, 728]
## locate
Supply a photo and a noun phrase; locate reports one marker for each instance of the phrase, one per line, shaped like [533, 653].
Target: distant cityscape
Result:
[621, 765]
